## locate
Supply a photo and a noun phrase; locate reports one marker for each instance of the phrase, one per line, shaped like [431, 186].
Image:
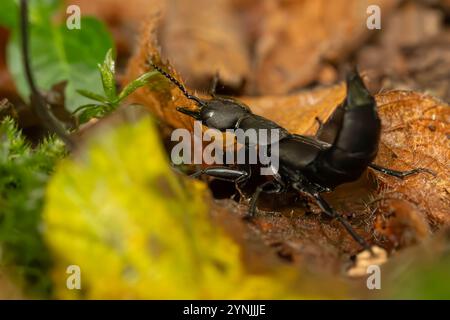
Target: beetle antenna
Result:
[178, 84]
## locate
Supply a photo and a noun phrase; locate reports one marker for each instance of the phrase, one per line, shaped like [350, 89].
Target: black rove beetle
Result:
[342, 149]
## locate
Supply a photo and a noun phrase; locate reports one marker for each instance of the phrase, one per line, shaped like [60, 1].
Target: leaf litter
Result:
[388, 212]
[266, 64]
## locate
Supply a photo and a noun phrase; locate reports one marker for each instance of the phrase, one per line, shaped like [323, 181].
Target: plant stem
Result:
[38, 102]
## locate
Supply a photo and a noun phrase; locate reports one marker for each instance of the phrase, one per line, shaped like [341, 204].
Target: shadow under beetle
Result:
[342, 149]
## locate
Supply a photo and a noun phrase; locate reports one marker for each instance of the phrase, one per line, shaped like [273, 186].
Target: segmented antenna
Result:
[177, 83]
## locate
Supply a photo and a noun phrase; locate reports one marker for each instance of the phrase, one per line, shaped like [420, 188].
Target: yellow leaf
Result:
[137, 230]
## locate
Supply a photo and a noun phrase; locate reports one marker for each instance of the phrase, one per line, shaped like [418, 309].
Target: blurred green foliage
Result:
[24, 172]
[430, 281]
[105, 104]
[422, 272]
[57, 53]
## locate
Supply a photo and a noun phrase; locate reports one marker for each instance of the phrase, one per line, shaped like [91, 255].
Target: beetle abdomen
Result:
[357, 143]
[354, 132]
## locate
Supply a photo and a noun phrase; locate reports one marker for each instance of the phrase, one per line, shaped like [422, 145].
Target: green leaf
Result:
[9, 10]
[86, 106]
[92, 95]
[89, 111]
[40, 11]
[136, 84]
[59, 54]
[107, 71]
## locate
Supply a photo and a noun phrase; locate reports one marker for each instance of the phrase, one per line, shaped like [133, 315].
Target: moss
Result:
[24, 172]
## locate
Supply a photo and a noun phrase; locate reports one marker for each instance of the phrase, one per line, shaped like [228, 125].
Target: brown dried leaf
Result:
[297, 112]
[202, 37]
[416, 134]
[298, 36]
[412, 52]
[160, 96]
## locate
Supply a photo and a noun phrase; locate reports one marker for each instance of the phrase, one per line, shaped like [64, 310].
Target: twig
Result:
[38, 102]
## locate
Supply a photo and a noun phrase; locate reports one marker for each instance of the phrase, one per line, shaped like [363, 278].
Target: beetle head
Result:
[219, 112]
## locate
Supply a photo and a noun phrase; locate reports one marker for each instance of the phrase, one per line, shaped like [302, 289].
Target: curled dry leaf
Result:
[202, 37]
[160, 96]
[199, 37]
[297, 112]
[416, 134]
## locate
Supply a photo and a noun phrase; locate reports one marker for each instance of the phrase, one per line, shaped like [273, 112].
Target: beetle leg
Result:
[191, 113]
[328, 210]
[240, 183]
[306, 187]
[401, 174]
[223, 173]
[239, 176]
[266, 187]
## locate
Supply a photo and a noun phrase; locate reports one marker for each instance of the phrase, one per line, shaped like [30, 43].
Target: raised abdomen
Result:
[353, 130]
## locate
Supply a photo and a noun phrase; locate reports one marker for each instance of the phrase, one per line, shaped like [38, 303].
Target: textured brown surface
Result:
[297, 37]
[202, 37]
[276, 47]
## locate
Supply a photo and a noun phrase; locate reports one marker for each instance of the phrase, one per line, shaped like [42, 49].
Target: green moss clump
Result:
[24, 172]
